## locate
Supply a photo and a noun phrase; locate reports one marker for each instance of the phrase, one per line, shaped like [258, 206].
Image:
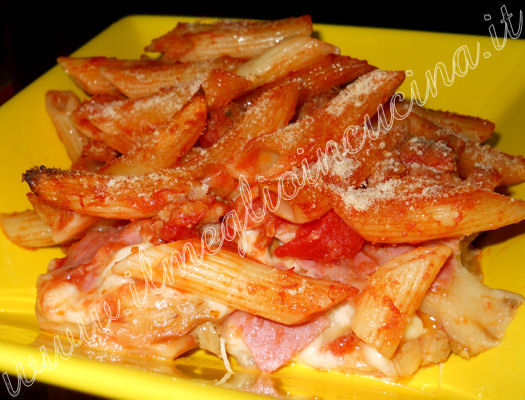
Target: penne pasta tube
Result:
[86, 73]
[271, 111]
[315, 102]
[89, 73]
[393, 294]
[65, 225]
[271, 155]
[95, 154]
[26, 229]
[472, 155]
[124, 124]
[237, 282]
[473, 128]
[330, 71]
[416, 125]
[221, 87]
[350, 169]
[476, 156]
[168, 143]
[386, 215]
[222, 120]
[307, 205]
[289, 55]
[60, 106]
[317, 79]
[240, 39]
[352, 209]
[121, 197]
[144, 80]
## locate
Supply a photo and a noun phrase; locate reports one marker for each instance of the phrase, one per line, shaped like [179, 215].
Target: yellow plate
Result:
[493, 87]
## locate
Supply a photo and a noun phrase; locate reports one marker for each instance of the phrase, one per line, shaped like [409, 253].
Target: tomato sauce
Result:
[326, 239]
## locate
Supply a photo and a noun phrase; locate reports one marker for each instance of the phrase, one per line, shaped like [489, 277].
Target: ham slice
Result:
[85, 249]
[87, 258]
[383, 253]
[272, 344]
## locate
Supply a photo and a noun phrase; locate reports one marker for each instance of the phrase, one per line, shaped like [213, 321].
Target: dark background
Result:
[34, 35]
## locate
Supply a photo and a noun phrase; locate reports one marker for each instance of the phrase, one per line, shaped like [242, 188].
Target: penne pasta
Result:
[26, 229]
[315, 102]
[477, 156]
[346, 168]
[95, 154]
[221, 87]
[472, 155]
[271, 111]
[65, 225]
[123, 124]
[475, 129]
[387, 215]
[221, 120]
[307, 205]
[89, 73]
[167, 144]
[330, 71]
[121, 197]
[144, 80]
[289, 55]
[272, 154]
[241, 39]
[86, 73]
[60, 106]
[393, 294]
[280, 296]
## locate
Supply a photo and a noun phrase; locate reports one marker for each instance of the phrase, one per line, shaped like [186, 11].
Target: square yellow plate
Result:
[480, 80]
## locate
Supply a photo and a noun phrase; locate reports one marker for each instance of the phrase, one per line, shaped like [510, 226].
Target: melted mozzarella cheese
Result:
[414, 329]
[315, 354]
[375, 359]
[65, 302]
[120, 255]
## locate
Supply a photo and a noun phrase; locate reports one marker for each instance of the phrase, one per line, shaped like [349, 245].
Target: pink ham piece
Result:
[84, 250]
[88, 257]
[383, 253]
[272, 344]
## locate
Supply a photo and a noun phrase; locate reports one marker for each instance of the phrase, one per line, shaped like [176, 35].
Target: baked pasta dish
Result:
[245, 189]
